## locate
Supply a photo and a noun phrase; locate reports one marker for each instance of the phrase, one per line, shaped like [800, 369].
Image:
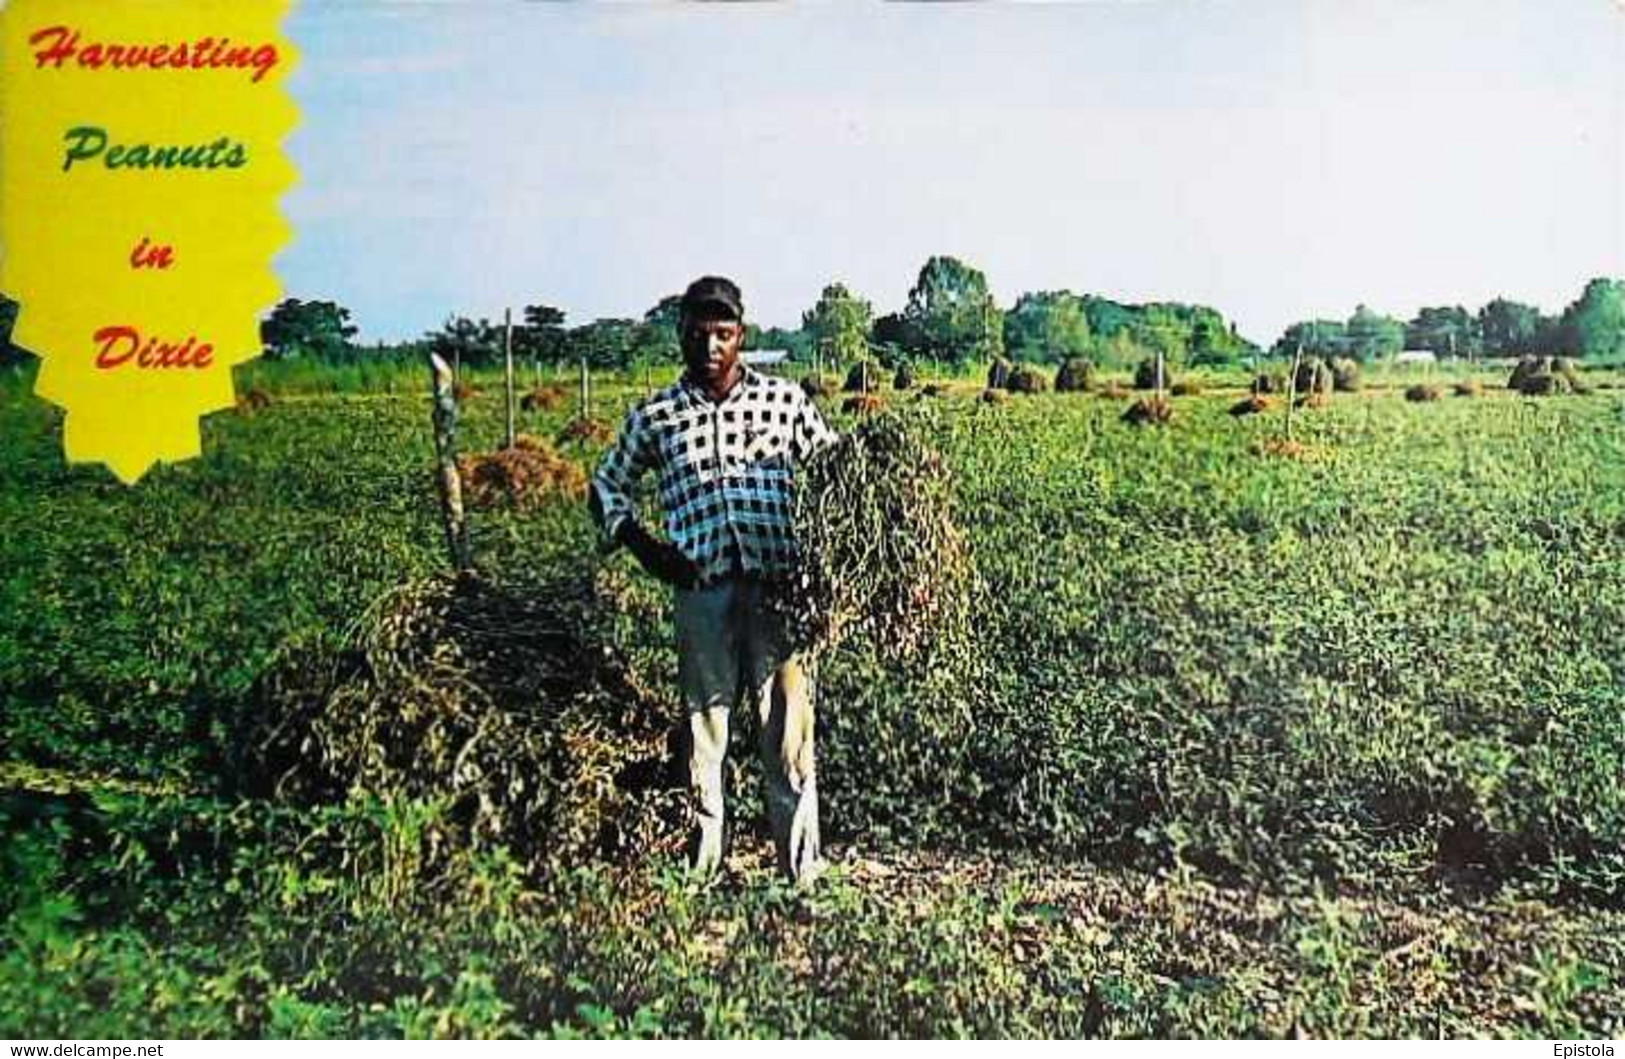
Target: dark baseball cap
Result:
[713, 292]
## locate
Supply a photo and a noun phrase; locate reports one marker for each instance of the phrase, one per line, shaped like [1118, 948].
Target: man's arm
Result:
[810, 432]
[612, 495]
[612, 500]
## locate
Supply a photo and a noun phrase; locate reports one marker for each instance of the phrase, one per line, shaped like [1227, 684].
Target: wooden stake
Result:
[507, 360]
[1292, 388]
[444, 416]
[582, 395]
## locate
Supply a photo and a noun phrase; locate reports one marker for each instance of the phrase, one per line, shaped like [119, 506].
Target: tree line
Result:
[951, 318]
[1592, 327]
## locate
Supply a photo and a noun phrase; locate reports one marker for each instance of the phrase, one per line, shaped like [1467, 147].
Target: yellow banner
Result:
[140, 165]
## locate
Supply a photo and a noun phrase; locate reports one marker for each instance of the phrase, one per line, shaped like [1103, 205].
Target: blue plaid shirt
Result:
[725, 472]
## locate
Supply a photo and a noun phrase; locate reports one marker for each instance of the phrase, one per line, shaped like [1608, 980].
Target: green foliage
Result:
[1446, 330]
[1402, 670]
[1187, 334]
[1370, 335]
[1508, 328]
[296, 329]
[1047, 327]
[539, 338]
[838, 325]
[1316, 338]
[1593, 326]
[953, 309]
[464, 342]
[1366, 336]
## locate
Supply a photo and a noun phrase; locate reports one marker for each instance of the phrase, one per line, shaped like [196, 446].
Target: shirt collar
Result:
[747, 380]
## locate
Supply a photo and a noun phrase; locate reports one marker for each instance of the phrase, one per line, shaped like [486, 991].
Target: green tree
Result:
[797, 341]
[1508, 328]
[1106, 317]
[604, 343]
[295, 329]
[465, 343]
[1445, 329]
[1593, 326]
[955, 312]
[1319, 338]
[839, 324]
[658, 339]
[1369, 335]
[541, 336]
[899, 338]
[1164, 326]
[1047, 326]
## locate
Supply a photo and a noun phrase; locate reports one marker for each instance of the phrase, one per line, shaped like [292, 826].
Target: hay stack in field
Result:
[1267, 383]
[863, 404]
[1186, 388]
[862, 377]
[1468, 388]
[1077, 375]
[584, 431]
[498, 707]
[1027, 379]
[1423, 391]
[1250, 406]
[1569, 369]
[998, 374]
[817, 386]
[881, 553]
[1544, 384]
[904, 379]
[1345, 375]
[1526, 366]
[995, 396]
[1145, 374]
[1314, 376]
[526, 476]
[1149, 411]
[544, 398]
[1544, 376]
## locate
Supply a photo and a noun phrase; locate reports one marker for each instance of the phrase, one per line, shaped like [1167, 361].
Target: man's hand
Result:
[662, 559]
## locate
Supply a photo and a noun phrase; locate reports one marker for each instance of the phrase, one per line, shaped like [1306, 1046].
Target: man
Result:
[722, 443]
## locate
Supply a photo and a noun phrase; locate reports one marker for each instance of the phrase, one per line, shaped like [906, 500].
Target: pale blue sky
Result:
[1275, 159]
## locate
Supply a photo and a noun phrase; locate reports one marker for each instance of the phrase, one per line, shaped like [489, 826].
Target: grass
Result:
[1257, 746]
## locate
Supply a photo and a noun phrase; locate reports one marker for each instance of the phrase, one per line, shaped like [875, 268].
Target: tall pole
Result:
[444, 417]
[1292, 387]
[582, 395]
[507, 359]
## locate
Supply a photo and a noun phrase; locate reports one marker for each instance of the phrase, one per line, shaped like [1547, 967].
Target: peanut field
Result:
[1249, 738]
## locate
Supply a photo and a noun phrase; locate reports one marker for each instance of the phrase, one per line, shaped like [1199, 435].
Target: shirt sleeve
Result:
[614, 484]
[811, 431]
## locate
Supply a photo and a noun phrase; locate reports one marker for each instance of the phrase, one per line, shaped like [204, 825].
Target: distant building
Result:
[1415, 356]
[763, 357]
